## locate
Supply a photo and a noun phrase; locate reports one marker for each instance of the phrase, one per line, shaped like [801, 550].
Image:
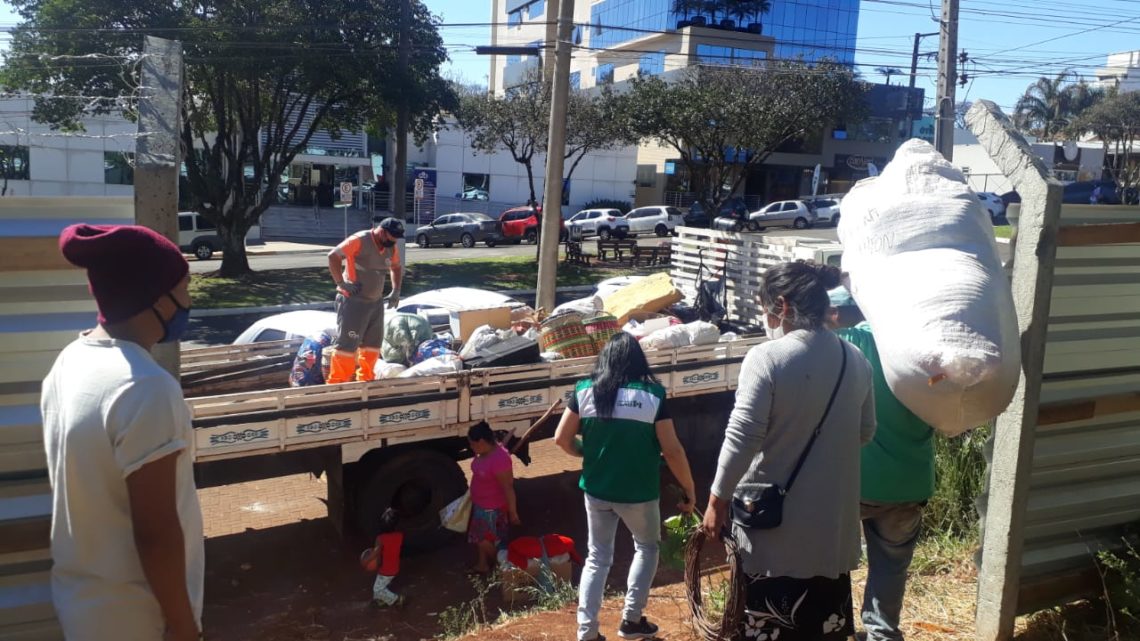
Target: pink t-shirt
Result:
[485, 489]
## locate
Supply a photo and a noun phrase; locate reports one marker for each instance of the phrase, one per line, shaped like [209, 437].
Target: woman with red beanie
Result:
[126, 536]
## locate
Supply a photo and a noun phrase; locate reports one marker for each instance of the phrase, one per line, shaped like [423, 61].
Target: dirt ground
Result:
[277, 570]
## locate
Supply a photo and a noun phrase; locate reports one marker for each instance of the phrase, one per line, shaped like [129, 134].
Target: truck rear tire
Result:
[419, 483]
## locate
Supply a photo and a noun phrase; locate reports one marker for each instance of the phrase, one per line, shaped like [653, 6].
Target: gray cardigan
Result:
[783, 390]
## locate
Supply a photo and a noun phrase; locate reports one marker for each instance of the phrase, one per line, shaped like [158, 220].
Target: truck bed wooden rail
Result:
[413, 409]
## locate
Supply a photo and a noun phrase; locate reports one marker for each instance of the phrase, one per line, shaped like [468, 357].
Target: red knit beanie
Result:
[128, 267]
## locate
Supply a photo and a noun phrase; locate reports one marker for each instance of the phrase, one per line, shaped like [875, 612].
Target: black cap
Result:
[393, 226]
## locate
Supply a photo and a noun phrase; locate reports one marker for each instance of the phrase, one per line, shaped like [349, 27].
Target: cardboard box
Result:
[464, 322]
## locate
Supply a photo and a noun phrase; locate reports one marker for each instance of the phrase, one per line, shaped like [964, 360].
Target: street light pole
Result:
[947, 78]
[555, 158]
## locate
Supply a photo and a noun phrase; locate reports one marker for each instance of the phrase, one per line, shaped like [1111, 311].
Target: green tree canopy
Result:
[519, 121]
[1050, 105]
[1115, 121]
[261, 77]
[723, 121]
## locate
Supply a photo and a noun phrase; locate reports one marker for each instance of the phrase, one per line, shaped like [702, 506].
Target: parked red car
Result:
[521, 223]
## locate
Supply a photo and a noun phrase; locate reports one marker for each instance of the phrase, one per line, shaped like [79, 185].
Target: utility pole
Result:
[555, 159]
[913, 78]
[158, 153]
[947, 77]
[398, 189]
[550, 37]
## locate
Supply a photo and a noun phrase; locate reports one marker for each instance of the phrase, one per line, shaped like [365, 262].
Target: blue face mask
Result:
[173, 329]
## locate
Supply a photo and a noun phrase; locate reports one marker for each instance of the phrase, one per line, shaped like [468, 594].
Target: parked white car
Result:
[436, 305]
[826, 210]
[655, 220]
[993, 203]
[198, 236]
[603, 223]
[785, 213]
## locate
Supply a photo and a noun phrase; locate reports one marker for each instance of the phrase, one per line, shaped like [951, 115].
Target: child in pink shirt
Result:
[493, 507]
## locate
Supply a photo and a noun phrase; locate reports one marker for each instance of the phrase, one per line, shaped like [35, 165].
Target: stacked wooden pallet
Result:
[740, 259]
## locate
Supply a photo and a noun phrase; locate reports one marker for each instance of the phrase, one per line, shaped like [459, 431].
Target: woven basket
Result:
[601, 329]
[566, 335]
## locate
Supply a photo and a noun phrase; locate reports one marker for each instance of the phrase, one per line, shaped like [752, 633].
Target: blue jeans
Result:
[891, 531]
[644, 523]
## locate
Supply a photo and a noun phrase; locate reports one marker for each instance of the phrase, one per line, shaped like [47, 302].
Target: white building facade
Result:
[37, 161]
[1122, 72]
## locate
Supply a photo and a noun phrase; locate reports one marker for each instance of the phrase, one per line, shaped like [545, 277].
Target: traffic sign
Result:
[346, 192]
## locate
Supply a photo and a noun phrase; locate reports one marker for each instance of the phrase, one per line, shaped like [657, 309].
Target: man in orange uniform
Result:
[357, 266]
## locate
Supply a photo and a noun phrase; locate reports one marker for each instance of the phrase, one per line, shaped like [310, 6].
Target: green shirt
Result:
[621, 458]
[898, 464]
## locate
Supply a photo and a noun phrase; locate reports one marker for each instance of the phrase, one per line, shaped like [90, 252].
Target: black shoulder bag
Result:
[760, 506]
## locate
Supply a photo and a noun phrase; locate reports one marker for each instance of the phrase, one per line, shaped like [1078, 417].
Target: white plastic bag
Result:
[439, 365]
[587, 306]
[456, 515]
[483, 336]
[385, 369]
[702, 333]
[668, 338]
[923, 265]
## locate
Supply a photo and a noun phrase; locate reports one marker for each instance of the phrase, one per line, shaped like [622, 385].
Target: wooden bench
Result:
[652, 255]
[575, 255]
[617, 250]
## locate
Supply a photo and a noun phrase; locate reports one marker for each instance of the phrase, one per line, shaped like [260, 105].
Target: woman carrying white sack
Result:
[923, 265]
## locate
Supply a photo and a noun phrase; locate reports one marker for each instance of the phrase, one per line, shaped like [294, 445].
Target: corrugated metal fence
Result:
[44, 303]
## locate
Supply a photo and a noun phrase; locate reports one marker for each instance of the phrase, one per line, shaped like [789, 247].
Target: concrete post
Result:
[158, 153]
[555, 161]
[1011, 455]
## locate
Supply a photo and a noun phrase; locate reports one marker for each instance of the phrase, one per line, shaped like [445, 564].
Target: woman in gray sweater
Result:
[804, 408]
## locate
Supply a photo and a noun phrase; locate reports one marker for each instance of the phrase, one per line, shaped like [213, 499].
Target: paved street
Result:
[416, 253]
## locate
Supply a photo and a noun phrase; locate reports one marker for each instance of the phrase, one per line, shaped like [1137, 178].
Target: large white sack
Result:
[924, 268]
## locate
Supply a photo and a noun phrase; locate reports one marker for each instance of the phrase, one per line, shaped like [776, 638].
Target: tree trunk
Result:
[530, 182]
[235, 262]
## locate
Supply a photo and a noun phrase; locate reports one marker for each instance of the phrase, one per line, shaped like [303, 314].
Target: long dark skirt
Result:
[786, 609]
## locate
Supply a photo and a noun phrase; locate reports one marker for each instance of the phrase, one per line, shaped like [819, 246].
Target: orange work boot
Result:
[341, 367]
[367, 357]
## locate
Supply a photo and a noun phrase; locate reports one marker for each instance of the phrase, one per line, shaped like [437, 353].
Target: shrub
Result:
[606, 203]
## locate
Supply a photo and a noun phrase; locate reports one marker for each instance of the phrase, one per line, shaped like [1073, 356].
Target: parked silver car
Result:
[826, 210]
[464, 228]
[798, 214]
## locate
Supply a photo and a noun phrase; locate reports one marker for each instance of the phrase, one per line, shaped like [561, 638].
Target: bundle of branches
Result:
[729, 625]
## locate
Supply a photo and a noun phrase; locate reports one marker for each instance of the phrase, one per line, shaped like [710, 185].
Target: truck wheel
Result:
[531, 236]
[604, 233]
[468, 240]
[661, 231]
[418, 483]
[203, 251]
[800, 223]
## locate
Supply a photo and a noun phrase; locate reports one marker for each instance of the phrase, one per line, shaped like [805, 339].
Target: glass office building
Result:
[813, 29]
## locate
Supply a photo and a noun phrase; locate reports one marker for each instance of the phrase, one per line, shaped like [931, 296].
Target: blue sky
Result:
[1010, 43]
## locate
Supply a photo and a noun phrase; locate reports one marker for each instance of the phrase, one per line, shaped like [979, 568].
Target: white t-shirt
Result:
[108, 409]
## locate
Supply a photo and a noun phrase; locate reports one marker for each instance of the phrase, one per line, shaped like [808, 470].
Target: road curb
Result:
[522, 294]
[270, 309]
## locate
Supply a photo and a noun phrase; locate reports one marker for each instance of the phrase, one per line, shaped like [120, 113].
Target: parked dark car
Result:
[698, 215]
[463, 228]
[1080, 193]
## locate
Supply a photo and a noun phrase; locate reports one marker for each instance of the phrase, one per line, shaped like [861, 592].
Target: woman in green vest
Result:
[618, 423]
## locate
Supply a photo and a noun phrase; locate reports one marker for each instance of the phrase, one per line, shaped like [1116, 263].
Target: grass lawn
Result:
[1002, 231]
[312, 284]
